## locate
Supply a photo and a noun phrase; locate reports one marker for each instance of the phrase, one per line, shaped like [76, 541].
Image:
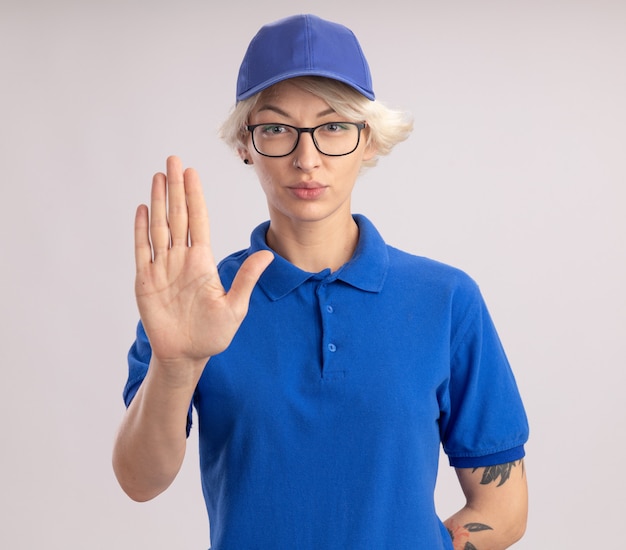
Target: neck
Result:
[315, 246]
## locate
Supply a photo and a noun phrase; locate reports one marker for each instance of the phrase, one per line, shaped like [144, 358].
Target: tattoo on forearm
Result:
[461, 533]
[502, 471]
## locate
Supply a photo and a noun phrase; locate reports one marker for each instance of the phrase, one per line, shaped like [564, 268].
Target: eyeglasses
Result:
[333, 139]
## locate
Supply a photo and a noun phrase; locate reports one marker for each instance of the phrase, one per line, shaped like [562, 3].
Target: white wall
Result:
[515, 172]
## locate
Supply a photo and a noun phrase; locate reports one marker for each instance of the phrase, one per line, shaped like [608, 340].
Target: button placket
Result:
[327, 310]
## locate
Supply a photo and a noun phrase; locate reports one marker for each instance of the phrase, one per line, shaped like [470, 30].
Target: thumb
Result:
[246, 278]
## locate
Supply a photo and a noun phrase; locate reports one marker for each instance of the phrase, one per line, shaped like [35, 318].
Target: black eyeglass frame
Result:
[359, 125]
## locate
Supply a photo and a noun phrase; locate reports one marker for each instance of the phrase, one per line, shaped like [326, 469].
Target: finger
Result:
[176, 203]
[197, 211]
[143, 250]
[246, 278]
[159, 230]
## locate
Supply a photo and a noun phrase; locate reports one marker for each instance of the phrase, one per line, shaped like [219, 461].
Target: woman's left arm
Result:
[494, 516]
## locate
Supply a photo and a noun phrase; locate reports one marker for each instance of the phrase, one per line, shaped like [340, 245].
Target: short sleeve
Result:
[483, 420]
[138, 361]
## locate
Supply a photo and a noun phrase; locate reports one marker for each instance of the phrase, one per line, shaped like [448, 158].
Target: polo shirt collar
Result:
[366, 270]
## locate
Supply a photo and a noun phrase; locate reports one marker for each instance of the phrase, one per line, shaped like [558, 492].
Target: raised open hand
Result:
[185, 311]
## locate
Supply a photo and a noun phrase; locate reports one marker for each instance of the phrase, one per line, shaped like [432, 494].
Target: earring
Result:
[246, 161]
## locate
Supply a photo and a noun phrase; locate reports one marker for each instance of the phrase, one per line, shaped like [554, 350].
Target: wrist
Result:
[176, 374]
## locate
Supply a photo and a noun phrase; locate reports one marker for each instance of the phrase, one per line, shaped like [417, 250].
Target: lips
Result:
[308, 190]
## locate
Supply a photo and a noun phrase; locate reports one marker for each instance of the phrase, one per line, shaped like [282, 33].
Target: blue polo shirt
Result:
[320, 426]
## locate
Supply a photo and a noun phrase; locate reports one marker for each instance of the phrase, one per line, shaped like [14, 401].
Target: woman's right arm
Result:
[187, 316]
[152, 438]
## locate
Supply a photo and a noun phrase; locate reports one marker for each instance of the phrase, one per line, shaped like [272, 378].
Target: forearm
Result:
[472, 530]
[495, 514]
[151, 442]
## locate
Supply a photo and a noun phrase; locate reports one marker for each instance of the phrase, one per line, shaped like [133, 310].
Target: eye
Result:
[334, 127]
[273, 129]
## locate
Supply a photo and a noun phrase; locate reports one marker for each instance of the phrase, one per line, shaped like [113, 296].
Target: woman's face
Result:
[304, 186]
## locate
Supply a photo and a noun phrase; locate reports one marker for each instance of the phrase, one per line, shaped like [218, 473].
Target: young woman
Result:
[326, 367]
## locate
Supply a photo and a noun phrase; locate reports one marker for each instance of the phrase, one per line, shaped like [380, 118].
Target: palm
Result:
[182, 303]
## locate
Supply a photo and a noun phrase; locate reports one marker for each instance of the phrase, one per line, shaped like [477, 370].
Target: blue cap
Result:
[303, 45]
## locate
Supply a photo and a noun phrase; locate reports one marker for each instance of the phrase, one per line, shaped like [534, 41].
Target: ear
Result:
[244, 155]
[370, 149]
[370, 152]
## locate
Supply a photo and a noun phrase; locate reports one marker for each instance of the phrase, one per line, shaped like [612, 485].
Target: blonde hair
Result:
[386, 127]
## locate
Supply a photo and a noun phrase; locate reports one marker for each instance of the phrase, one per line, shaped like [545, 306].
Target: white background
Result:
[515, 172]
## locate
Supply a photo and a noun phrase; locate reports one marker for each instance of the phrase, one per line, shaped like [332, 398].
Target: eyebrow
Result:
[279, 111]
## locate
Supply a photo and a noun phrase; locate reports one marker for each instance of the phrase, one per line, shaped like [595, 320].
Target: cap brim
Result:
[369, 94]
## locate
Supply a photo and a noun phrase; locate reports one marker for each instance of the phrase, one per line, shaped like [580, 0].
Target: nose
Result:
[306, 157]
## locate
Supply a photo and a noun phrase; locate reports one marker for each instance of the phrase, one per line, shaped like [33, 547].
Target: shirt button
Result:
[330, 309]
[332, 347]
